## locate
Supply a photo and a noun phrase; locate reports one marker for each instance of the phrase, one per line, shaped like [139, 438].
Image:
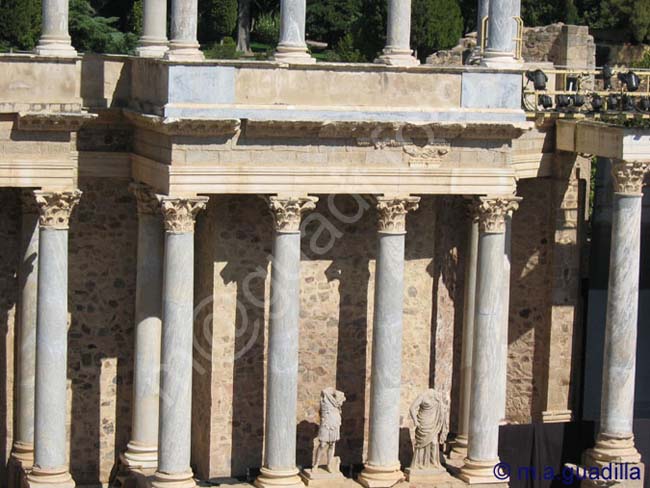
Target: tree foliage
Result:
[436, 25]
[20, 23]
[93, 33]
[217, 19]
[330, 20]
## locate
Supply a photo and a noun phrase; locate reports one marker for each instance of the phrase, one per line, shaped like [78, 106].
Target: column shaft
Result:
[184, 45]
[142, 450]
[55, 40]
[502, 384]
[460, 444]
[398, 38]
[501, 32]
[483, 10]
[292, 47]
[153, 42]
[23, 449]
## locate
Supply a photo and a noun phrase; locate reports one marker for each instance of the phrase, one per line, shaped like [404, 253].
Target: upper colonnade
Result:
[499, 18]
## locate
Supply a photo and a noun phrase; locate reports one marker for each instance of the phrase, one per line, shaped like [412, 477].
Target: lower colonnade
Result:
[160, 443]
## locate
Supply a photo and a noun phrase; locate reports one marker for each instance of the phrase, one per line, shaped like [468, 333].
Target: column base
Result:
[184, 52]
[459, 448]
[610, 450]
[557, 416]
[380, 476]
[397, 58]
[173, 480]
[23, 454]
[60, 49]
[49, 478]
[140, 457]
[270, 478]
[481, 472]
[293, 55]
[152, 49]
[494, 59]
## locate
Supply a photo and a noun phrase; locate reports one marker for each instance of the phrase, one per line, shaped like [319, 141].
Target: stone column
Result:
[501, 32]
[23, 447]
[483, 10]
[459, 448]
[398, 39]
[292, 47]
[55, 40]
[174, 436]
[487, 359]
[50, 456]
[615, 441]
[502, 384]
[184, 45]
[282, 369]
[382, 468]
[142, 450]
[153, 42]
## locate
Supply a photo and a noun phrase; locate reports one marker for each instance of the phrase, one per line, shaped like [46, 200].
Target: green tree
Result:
[370, 28]
[20, 23]
[93, 33]
[436, 25]
[330, 20]
[217, 19]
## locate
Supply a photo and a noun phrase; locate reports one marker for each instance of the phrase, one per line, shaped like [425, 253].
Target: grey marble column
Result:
[50, 456]
[501, 32]
[184, 45]
[284, 325]
[398, 39]
[615, 442]
[459, 448]
[55, 40]
[482, 450]
[502, 384]
[153, 42]
[382, 467]
[483, 10]
[292, 47]
[175, 410]
[23, 447]
[142, 450]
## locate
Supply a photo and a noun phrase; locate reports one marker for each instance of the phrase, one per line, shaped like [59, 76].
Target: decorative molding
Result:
[55, 208]
[428, 156]
[392, 213]
[287, 212]
[179, 214]
[492, 212]
[628, 176]
[146, 198]
[184, 127]
[53, 122]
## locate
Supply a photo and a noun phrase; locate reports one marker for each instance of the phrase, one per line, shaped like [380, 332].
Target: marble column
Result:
[502, 29]
[184, 45]
[483, 11]
[398, 38]
[50, 456]
[142, 450]
[175, 408]
[153, 42]
[487, 358]
[382, 468]
[502, 384]
[22, 453]
[284, 323]
[615, 441]
[55, 40]
[292, 47]
[459, 448]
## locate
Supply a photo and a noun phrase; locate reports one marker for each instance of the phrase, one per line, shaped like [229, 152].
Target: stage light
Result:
[630, 80]
[538, 77]
[644, 104]
[607, 77]
[596, 103]
[612, 102]
[628, 103]
[545, 101]
[562, 101]
[578, 100]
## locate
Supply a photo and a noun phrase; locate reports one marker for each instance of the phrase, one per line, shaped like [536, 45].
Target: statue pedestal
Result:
[435, 477]
[331, 476]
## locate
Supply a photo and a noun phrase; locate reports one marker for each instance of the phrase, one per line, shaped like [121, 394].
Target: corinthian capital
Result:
[287, 212]
[628, 176]
[179, 214]
[54, 208]
[392, 213]
[147, 200]
[492, 213]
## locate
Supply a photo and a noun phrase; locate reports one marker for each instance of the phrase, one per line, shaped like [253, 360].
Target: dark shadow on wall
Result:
[94, 82]
[102, 269]
[9, 259]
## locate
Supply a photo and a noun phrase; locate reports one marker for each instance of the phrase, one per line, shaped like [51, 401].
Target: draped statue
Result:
[331, 404]
[430, 414]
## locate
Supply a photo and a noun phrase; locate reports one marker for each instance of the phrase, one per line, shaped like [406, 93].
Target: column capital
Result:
[179, 214]
[146, 198]
[628, 176]
[392, 213]
[493, 210]
[287, 212]
[55, 208]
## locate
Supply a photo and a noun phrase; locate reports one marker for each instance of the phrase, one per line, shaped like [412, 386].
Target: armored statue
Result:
[331, 404]
[430, 414]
